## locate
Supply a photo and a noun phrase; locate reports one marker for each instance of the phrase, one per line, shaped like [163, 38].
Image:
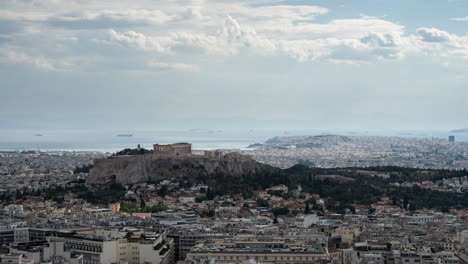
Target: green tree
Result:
[280, 211]
[211, 213]
[209, 194]
[262, 203]
[163, 191]
[307, 208]
[129, 234]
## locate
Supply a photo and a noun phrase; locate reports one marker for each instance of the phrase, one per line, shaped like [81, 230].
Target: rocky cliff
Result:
[146, 168]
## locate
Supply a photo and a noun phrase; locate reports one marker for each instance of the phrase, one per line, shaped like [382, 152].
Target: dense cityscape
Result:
[51, 214]
[358, 151]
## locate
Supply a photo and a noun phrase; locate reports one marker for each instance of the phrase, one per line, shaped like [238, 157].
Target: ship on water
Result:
[125, 135]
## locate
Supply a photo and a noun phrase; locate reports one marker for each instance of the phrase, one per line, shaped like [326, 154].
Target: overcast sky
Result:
[217, 64]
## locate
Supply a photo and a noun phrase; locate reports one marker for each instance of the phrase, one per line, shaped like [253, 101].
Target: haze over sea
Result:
[203, 139]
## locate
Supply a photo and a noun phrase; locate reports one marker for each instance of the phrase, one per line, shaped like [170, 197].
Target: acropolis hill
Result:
[169, 161]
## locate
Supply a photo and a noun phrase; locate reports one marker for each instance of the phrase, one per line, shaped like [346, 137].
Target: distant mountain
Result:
[255, 145]
[461, 130]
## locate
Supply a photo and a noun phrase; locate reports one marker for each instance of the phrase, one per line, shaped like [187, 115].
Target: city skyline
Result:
[233, 131]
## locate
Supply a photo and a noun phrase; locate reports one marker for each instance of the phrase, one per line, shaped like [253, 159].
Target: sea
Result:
[203, 139]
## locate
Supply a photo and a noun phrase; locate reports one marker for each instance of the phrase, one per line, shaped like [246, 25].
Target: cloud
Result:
[110, 19]
[179, 29]
[279, 12]
[460, 19]
[243, 37]
[24, 15]
[434, 35]
[9, 26]
[384, 42]
[39, 62]
[380, 40]
[442, 44]
[175, 66]
[5, 38]
[134, 39]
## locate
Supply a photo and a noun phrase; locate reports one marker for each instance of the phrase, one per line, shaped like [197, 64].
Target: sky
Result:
[148, 64]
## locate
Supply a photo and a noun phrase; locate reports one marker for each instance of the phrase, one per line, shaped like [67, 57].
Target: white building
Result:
[112, 248]
[187, 199]
[419, 218]
[307, 221]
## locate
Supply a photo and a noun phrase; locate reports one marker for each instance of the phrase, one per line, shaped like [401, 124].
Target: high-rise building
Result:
[451, 138]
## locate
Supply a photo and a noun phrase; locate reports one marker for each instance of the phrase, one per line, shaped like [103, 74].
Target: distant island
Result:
[255, 145]
[461, 130]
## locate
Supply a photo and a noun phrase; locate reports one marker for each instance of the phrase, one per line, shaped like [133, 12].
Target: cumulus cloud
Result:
[244, 37]
[177, 29]
[434, 35]
[443, 44]
[383, 42]
[380, 40]
[134, 39]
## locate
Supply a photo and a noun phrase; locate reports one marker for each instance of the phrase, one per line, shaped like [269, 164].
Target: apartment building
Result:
[262, 250]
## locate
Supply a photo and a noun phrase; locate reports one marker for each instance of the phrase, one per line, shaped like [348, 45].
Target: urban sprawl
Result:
[50, 214]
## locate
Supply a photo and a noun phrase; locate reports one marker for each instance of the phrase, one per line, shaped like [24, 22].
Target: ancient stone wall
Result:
[172, 149]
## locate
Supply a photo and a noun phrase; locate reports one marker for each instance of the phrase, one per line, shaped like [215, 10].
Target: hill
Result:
[134, 169]
[236, 174]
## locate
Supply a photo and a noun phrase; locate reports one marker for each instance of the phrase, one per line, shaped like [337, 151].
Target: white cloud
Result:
[434, 35]
[384, 41]
[182, 28]
[24, 15]
[175, 66]
[243, 37]
[443, 44]
[39, 62]
[460, 19]
[160, 44]
[110, 18]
